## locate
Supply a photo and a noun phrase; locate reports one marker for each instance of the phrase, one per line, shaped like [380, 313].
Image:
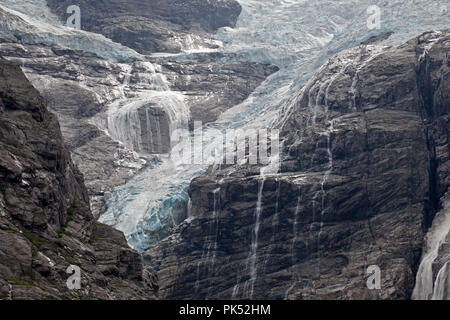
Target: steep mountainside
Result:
[366, 162]
[45, 221]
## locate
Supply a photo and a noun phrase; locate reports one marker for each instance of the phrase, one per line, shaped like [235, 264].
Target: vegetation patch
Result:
[70, 214]
[35, 240]
[21, 283]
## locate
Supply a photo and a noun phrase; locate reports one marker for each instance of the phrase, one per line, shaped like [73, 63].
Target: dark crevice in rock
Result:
[429, 116]
[432, 205]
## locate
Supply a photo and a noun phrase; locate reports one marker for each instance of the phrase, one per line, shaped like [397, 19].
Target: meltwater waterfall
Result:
[296, 36]
[144, 120]
[433, 278]
[254, 247]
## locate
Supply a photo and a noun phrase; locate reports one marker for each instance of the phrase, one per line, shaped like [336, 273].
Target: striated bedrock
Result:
[45, 221]
[365, 164]
[81, 89]
[154, 25]
[211, 88]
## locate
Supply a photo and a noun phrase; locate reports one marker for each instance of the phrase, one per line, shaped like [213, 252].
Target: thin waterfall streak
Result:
[253, 257]
[294, 241]
[210, 244]
[275, 222]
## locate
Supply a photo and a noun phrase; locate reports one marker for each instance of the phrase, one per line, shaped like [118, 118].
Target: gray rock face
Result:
[155, 25]
[45, 221]
[365, 164]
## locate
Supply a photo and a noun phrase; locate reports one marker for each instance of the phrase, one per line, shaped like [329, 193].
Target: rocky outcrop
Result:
[45, 221]
[365, 164]
[155, 25]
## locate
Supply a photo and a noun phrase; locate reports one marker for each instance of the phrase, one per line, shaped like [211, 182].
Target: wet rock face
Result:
[45, 221]
[365, 164]
[145, 129]
[155, 25]
[155, 125]
[80, 88]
